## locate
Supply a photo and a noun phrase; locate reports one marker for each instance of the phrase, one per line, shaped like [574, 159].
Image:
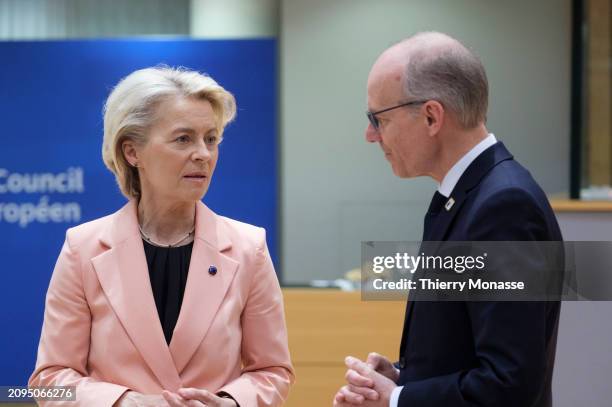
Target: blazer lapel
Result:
[468, 180]
[205, 290]
[123, 274]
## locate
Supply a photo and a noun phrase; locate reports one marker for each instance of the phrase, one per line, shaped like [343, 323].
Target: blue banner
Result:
[51, 172]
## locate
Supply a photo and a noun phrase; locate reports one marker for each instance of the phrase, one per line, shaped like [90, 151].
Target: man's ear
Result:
[434, 114]
[130, 153]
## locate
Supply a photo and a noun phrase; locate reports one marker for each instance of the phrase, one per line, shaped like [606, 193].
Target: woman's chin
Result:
[196, 194]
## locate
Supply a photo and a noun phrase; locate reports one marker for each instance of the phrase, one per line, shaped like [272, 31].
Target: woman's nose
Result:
[201, 153]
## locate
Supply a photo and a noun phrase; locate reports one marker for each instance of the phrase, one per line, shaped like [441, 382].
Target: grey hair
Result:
[450, 74]
[131, 107]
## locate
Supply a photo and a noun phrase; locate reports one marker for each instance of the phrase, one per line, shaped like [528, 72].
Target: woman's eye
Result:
[211, 140]
[182, 139]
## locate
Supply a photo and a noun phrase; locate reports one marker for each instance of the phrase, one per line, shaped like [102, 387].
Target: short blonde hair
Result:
[130, 110]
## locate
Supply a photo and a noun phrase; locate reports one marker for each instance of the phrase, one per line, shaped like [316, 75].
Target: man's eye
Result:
[182, 139]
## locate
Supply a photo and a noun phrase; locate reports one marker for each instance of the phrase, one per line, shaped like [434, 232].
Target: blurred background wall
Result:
[335, 189]
[64, 19]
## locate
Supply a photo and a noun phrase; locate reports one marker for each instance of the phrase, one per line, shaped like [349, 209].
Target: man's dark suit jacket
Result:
[483, 353]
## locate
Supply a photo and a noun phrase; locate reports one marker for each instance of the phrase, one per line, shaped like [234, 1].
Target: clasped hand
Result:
[187, 397]
[369, 383]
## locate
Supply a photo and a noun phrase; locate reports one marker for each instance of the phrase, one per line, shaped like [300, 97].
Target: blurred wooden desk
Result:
[574, 205]
[327, 325]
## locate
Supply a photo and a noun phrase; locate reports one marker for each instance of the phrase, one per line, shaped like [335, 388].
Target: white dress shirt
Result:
[452, 176]
[446, 188]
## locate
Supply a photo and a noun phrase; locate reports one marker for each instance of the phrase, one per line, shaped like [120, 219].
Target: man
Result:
[427, 100]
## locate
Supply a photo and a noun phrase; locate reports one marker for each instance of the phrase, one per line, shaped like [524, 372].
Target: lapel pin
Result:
[449, 204]
[212, 270]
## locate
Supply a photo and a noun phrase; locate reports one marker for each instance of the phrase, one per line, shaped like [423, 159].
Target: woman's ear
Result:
[130, 153]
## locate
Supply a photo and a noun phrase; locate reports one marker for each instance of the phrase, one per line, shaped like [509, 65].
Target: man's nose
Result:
[371, 135]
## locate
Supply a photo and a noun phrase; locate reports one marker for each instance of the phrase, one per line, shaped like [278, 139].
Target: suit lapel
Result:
[123, 274]
[204, 291]
[468, 181]
[441, 224]
[444, 219]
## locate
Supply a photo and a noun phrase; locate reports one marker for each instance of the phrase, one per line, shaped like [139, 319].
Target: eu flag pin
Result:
[212, 270]
[449, 204]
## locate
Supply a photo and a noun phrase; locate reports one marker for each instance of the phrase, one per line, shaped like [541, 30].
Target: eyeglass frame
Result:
[374, 120]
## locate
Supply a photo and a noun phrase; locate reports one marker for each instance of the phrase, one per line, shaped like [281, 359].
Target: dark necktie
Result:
[435, 207]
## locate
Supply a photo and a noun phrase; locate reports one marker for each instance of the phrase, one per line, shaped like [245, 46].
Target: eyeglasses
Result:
[374, 120]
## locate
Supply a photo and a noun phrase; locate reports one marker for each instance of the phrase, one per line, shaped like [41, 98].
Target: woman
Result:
[164, 302]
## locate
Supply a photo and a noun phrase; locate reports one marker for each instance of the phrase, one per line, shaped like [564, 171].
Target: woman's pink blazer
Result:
[102, 334]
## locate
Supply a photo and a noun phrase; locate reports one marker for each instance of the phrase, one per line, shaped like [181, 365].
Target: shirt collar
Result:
[452, 176]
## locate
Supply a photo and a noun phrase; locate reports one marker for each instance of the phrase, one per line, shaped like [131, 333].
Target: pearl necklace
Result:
[168, 246]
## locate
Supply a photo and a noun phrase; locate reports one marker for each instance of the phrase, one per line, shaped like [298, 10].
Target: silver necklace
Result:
[154, 243]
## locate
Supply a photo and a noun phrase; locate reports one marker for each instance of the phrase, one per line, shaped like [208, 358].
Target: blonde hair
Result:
[130, 110]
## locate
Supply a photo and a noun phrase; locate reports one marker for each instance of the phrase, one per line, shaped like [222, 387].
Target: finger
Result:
[358, 366]
[374, 360]
[356, 379]
[173, 399]
[158, 401]
[204, 396]
[366, 392]
[351, 397]
[339, 400]
[338, 403]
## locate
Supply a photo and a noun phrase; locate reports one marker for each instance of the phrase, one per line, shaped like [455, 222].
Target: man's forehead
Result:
[388, 67]
[384, 84]
[385, 77]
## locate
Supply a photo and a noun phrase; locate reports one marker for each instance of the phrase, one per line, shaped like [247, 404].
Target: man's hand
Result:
[134, 399]
[383, 366]
[190, 397]
[366, 387]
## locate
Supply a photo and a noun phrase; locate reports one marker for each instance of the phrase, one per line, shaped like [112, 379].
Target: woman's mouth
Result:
[196, 177]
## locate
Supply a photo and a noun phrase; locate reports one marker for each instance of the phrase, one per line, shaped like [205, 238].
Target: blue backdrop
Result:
[51, 171]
